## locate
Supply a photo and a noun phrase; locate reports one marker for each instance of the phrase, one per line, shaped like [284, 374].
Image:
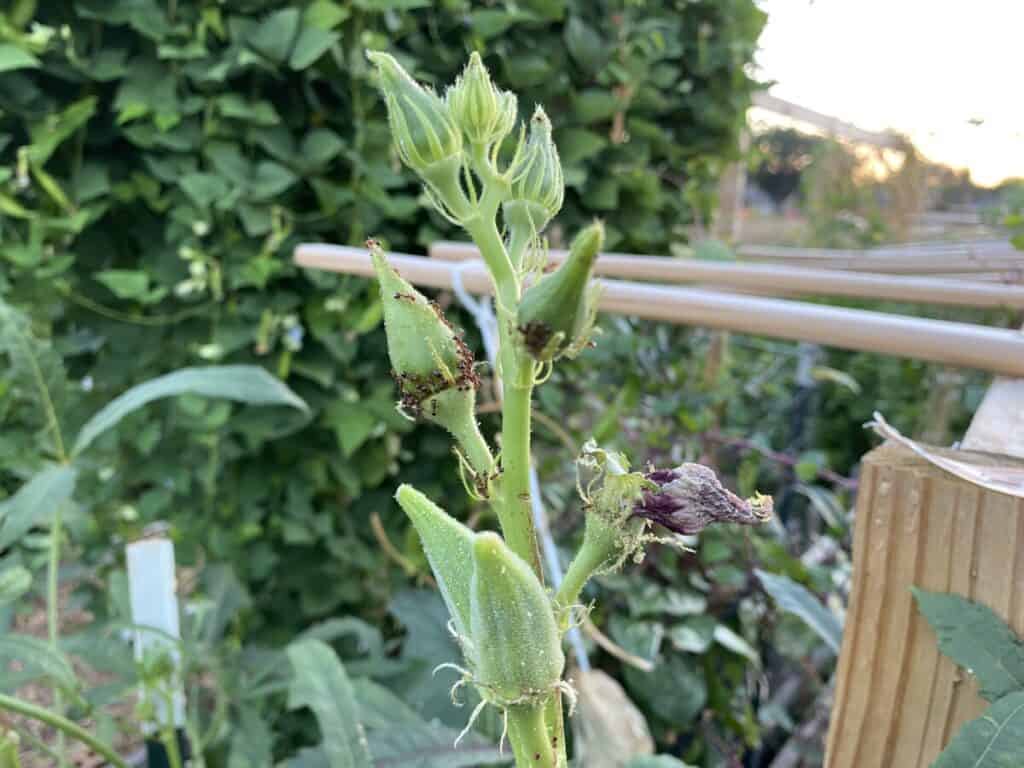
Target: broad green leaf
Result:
[727, 638]
[975, 638]
[585, 44]
[797, 599]
[35, 502]
[400, 737]
[313, 42]
[274, 37]
[15, 581]
[693, 635]
[241, 383]
[326, 14]
[129, 284]
[994, 740]
[321, 684]
[13, 57]
[37, 656]
[391, 5]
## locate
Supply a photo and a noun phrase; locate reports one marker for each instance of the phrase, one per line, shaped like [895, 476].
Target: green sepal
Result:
[538, 185]
[512, 626]
[448, 545]
[556, 314]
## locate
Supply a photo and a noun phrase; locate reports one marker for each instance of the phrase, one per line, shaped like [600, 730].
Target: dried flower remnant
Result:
[690, 497]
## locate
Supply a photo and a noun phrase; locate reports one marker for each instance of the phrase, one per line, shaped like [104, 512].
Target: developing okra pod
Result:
[519, 657]
[556, 315]
[434, 368]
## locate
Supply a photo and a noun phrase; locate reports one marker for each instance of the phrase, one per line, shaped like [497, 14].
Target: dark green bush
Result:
[158, 162]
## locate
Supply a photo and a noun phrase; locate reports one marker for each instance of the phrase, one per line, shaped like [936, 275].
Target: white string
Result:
[483, 316]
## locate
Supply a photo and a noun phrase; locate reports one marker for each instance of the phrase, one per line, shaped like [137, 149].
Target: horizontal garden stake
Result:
[985, 256]
[777, 279]
[960, 344]
[898, 700]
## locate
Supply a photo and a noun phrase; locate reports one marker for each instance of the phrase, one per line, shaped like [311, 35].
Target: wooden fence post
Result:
[898, 701]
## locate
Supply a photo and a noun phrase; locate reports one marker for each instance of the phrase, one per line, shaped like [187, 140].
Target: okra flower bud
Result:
[538, 187]
[427, 138]
[690, 497]
[420, 122]
[556, 315]
[431, 363]
[485, 113]
[519, 655]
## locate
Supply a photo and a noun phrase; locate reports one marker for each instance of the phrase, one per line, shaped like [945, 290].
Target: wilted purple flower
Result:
[690, 497]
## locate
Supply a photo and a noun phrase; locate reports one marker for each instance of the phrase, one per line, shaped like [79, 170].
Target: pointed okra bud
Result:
[556, 315]
[538, 187]
[485, 113]
[512, 625]
[433, 366]
[448, 545]
[427, 138]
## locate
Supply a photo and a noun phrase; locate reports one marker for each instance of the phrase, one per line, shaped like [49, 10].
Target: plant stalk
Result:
[53, 616]
[63, 725]
[528, 733]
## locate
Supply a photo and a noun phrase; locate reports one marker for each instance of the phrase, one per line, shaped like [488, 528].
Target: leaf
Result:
[994, 740]
[241, 383]
[14, 582]
[974, 637]
[584, 44]
[727, 638]
[13, 57]
[796, 599]
[35, 502]
[274, 36]
[321, 684]
[36, 654]
[313, 42]
[399, 737]
[56, 128]
[126, 283]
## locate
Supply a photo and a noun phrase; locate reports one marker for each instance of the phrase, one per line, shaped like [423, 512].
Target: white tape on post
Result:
[154, 605]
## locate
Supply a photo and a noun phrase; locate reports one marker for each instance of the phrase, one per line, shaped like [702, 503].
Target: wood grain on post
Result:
[898, 700]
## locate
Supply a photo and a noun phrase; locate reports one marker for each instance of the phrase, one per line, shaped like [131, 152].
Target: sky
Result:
[925, 68]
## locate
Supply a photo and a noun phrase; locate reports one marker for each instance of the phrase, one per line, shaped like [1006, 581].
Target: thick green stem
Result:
[53, 616]
[63, 725]
[475, 448]
[528, 733]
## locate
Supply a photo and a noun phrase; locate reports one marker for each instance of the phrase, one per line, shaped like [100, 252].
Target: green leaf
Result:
[273, 38]
[974, 637]
[576, 145]
[399, 737]
[241, 383]
[380, 6]
[38, 656]
[727, 638]
[796, 599]
[13, 57]
[321, 684]
[14, 582]
[126, 283]
[994, 740]
[585, 44]
[35, 502]
[56, 128]
[313, 42]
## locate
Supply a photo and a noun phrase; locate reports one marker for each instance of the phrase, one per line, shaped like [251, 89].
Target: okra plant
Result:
[508, 625]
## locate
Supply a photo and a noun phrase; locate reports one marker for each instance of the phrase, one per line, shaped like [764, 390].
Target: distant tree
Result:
[782, 154]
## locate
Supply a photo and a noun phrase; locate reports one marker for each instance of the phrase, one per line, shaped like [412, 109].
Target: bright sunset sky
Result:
[925, 68]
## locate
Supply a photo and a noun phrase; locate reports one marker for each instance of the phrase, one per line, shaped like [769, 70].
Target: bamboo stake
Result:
[777, 279]
[960, 344]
